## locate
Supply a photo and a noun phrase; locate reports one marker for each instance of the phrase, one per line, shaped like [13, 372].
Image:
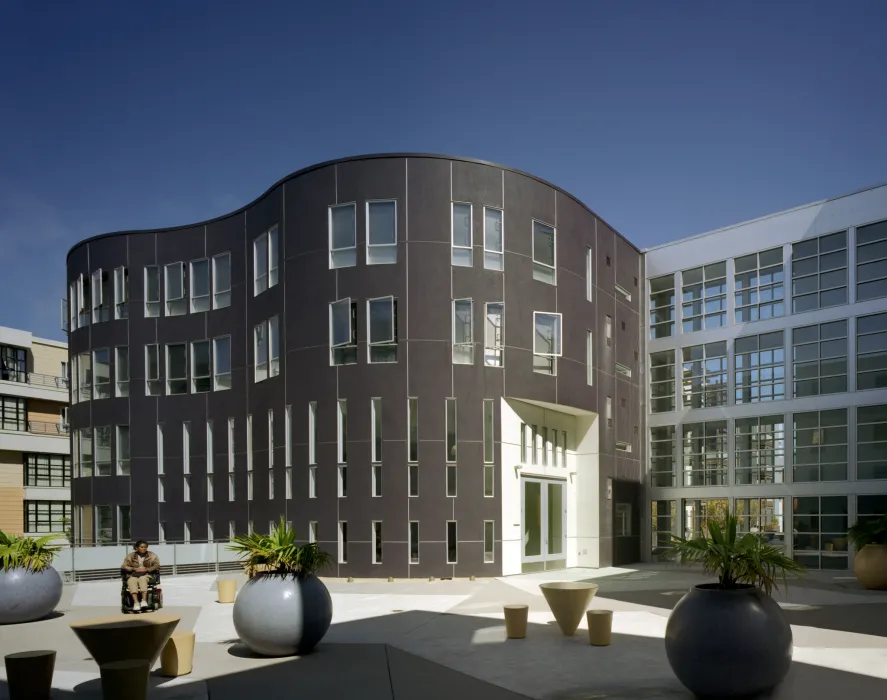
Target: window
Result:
[623, 370]
[489, 436]
[210, 448]
[101, 368]
[451, 430]
[47, 471]
[493, 239]
[819, 272]
[382, 329]
[342, 432]
[160, 448]
[312, 432]
[210, 490]
[152, 371]
[819, 359]
[210, 531]
[84, 455]
[705, 454]
[222, 280]
[288, 476]
[704, 297]
[452, 557]
[230, 444]
[103, 450]
[343, 332]
[152, 291]
[820, 445]
[270, 487]
[260, 351]
[820, 531]
[544, 253]
[377, 541]
[608, 325]
[871, 442]
[760, 450]
[664, 519]
[121, 371]
[463, 332]
[343, 542]
[381, 232]
[662, 456]
[186, 488]
[609, 412]
[343, 236]
[176, 304]
[413, 421]
[221, 363]
[201, 376]
[186, 448]
[199, 286]
[265, 261]
[662, 307]
[123, 454]
[451, 481]
[705, 375]
[83, 297]
[72, 305]
[47, 517]
[124, 527]
[546, 341]
[414, 542]
[759, 284]
[101, 297]
[589, 273]
[377, 480]
[662, 373]
[161, 532]
[312, 481]
[249, 457]
[413, 480]
[231, 530]
[312, 531]
[489, 541]
[462, 235]
[589, 358]
[623, 292]
[376, 429]
[176, 369]
[764, 516]
[186, 531]
[288, 436]
[273, 346]
[760, 368]
[13, 364]
[121, 293]
[871, 352]
[623, 447]
[871, 261]
[249, 486]
[493, 340]
[870, 507]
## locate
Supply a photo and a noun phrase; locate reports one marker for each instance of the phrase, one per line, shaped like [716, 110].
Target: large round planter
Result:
[277, 615]
[26, 595]
[728, 643]
[870, 566]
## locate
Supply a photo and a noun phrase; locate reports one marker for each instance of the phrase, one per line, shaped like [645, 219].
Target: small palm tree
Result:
[278, 553]
[27, 552]
[735, 560]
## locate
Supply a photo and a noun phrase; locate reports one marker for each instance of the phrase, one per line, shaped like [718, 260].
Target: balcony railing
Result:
[34, 379]
[39, 427]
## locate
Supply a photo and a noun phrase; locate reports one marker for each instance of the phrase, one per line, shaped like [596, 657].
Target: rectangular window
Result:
[871, 507]
[342, 430]
[489, 480]
[124, 524]
[819, 359]
[589, 273]
[705, 454]
[871, 261]
[413, 480]
[160, 448]
[343, 235]
[222, 281]
[494, 249]
[47, 517]
[209, 489]
[273, 346]
[704, 297]
[230, 445]
[48, 471]
[871, 352]
[312, 482]
[452, 486]
[312, 531]
[820, 531]
[760, 450]
[121, 371]
[414, 542]
[451, 430]
[463, 331]
[176, 369]
[71, 308]
[554, 448]
[231, 487]
[122, 442]
[544, 253]
[382, 329]
[759, 368]
[210, 531]
[83, 445]
[489, 542]
[199, 286]
[543, 444]
[221, 363]
[589, 358]
[705, 375]
[152, 291]
[231, 530]
[547, 330]
[819, 272]
[462, 235]
[100, 297]
[662, 375]
[249, 457]
[201, 376]
[489, 436]
[381, 232]
[262, 260]
[376, 429]
[493, 339]
[103, 450]
[563, 448]
[343, 332]
[288, 436]
[662, 307]
[288, 475]
[623, 370]
[174, 276]
[623, 447]
[270, 437]
[871, 442]
[186, 448]
[270, 486]
[608, 325]
[249, 486]
[760, 284]
[121, 293]
[210, 448]
[452, 552]
[343, 542]
[662, 457]
[101, 371]
[83, 303]
[609, 412]
[763, 516]
[377, 542]
[186, 488]
[622, 292]
[664, 521]
[413, 437]
[161, 490]
[260, 351]
[377, 480]
[312, 432]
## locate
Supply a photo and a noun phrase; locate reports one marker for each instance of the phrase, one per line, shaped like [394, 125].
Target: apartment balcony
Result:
[33, 385]
[35, 436]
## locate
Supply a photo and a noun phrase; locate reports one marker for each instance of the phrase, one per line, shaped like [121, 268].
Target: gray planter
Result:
[26, 596]
[277, 615]
[728, 643]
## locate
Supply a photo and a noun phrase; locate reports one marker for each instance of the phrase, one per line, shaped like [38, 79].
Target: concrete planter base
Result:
[26, 595]
[870, 566]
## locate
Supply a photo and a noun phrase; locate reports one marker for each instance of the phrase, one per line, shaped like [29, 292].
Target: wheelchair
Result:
[154, 597]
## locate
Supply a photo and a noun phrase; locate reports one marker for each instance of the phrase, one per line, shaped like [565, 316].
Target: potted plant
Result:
[29, 587]
[869, 537]
[284, 608]
[730, 639]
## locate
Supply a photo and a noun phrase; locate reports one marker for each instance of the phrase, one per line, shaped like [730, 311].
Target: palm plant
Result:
[865, 532]
[278, 552]
[27, 552]
[736, 560]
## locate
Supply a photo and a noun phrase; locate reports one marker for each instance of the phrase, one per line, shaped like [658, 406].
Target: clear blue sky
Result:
[667, 118]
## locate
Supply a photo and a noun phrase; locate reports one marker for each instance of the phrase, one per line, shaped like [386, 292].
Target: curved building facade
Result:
[429, 365]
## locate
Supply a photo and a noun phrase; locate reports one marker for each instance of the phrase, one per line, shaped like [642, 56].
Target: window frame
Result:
[152, 306]
[465, 348]
[169, 379]
[494, 351]
[101, 381]
[379, 249]
[122, 463]
[553, 266]
[872, 244]
[208, 378]
[345, 256]
[218, 384]
[798, 274]
[756, 290]
[260, 343]
[351, 344]
[156, 379]
[221, 298]
[121, 293]
[466, 258]
[260, 252]
[659, 327]
[747, 431]
[382, 357]
[558, 350]
[198, 303]
[175, 305]
[495, 259]
[703, 299]
[121, 360]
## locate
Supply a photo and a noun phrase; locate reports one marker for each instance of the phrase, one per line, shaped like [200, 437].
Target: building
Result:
[35, 457]
[431, 366]
[767, 349]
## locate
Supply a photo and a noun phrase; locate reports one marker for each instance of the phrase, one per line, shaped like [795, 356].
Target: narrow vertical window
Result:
[249, 486]
[288, 435]
[343, 542]
[413, 480]
[376, 429]
[186, 448]
[121, 371]
[589, 358]
[123, 453]
[382, 330]
[451, 430]
[230, 445]
[462, 234]
[534, 444]
[493, 340]
[152, 291]
[260, 264]
[121, 293]
[342, 472]
[544, 253]
[413, 417]
[260, 351]
[381, 231]
[377, 480]
[273, 257]
[210, 451]
[200, 300]
[463, 332]
[201, 372]
[312, 531]
[609, 413]
[493, 239]
[249, 454]
[523, 443]
[489, 406]
[161, 490]
[342, 423]
[231, 487]
[414, 542]
[289, 482]
[554, 454]
[186, 488]
[312, 482]
[209, 489]
[452, 551]
[221, 363]
[343, 236]
[270, 437]
[489, 541]
[210, 531]
[222, 281]
[609, 331]
[273, 347]
[161, 532]
[101, 373]
[589, 273]
[99, 312]
[270, 485]
[312, 432]
[160, 448]
[377, 542]
[452, 486]
[543, 444]
[176, 369]
[174, 278]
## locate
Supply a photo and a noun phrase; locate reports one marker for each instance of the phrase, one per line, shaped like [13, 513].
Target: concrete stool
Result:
[600, 627]
[29, 674]
[516, 621]
[227, 590]
[125, 680]
[177, 656]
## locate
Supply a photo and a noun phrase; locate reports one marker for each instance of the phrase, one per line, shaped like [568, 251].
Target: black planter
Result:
[728, 643]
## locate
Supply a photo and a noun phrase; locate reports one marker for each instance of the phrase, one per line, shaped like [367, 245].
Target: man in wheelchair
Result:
[141, 571]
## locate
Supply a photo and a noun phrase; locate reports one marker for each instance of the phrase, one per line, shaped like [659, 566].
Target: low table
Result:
[126, 637]
[568, 601]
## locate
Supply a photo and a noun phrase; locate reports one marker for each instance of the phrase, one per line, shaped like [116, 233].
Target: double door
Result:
[543, 516]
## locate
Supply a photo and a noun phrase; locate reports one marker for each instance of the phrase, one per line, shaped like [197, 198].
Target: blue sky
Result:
[666, 118]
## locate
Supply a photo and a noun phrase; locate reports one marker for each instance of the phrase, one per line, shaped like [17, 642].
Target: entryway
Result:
[543, 520]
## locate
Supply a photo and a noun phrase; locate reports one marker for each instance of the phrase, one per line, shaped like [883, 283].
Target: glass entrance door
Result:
[543, 514]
